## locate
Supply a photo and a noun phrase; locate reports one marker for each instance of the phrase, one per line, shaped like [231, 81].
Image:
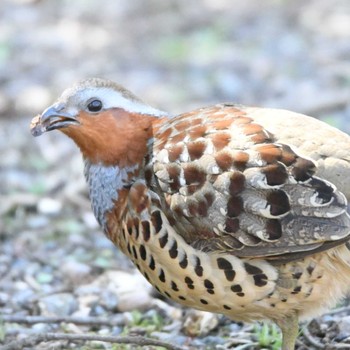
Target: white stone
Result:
[49, 206]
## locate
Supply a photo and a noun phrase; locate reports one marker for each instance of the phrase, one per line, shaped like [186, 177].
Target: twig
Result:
[246, 346]
[91, 321]
[340, 346]
[312, 340]
[239, 341]
[338, 310]
[36, 339]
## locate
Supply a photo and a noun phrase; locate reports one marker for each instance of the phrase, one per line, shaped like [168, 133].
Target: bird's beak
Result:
[52, 118]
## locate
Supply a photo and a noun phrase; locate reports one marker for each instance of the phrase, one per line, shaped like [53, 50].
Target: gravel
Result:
[177, 55]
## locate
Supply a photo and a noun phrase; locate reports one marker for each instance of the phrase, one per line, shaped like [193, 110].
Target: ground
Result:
[176, 55]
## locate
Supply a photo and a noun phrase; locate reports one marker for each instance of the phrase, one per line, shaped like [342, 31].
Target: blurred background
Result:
[175, 55]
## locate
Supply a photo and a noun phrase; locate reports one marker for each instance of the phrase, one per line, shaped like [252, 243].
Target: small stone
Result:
[86, 303]
[41, 328]
[200, 323]
[23, 297]
[62, 304]
[36, 222]
[234, 327]
[90, 220]
[170, 338]
[44, 277]
[75, 271]
[344, 326]
[117, 331]
[4, 298]
[131, 290]
[328, 318]
[109, 300]
[209, 342]
[104, 331]
[49, 206]
[98, 311]
[86, 290]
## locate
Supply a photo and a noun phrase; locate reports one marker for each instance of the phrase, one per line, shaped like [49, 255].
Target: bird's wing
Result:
[229, 183]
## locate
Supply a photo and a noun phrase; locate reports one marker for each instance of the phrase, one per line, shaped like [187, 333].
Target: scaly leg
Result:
[290, 329]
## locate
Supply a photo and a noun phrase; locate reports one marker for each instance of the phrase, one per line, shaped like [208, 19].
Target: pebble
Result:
[49, 206]
[61, 304]
[230, 72]
[97, 311]
[43, 277]
[90, 220]
[38, 221]
[4, 298]
[109, 300]
[131, 290]
[75, 271]
[344, 326]
[170, 338]
[23, 297]
[87, 290]
[86, 304]
[209, 341]
[117, 331]
[41, 328]
[234, 327]
[104, 331]
[200, 322]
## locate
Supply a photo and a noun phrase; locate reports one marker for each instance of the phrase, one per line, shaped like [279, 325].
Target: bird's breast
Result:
[107, 185]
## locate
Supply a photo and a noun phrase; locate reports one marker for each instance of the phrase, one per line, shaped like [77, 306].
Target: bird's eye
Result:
[94, 106]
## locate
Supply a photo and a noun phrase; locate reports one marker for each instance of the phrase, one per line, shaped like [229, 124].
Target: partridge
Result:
[230, 209]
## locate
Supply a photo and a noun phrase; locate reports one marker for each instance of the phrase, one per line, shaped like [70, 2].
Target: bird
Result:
[236, 210]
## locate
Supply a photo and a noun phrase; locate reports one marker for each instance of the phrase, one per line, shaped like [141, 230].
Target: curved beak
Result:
[54, 117]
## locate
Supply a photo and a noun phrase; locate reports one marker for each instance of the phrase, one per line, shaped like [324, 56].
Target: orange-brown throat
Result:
[113, 137]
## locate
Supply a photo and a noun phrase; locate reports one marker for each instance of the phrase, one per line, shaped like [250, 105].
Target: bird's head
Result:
[108, 123]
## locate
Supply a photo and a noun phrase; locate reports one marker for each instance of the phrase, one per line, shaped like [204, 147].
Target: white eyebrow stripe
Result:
[114, 99]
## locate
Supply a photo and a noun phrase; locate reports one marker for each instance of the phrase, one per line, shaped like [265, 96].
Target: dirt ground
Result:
[176, 55]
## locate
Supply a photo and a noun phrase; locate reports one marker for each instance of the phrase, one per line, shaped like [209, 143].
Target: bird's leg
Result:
[290, 329]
